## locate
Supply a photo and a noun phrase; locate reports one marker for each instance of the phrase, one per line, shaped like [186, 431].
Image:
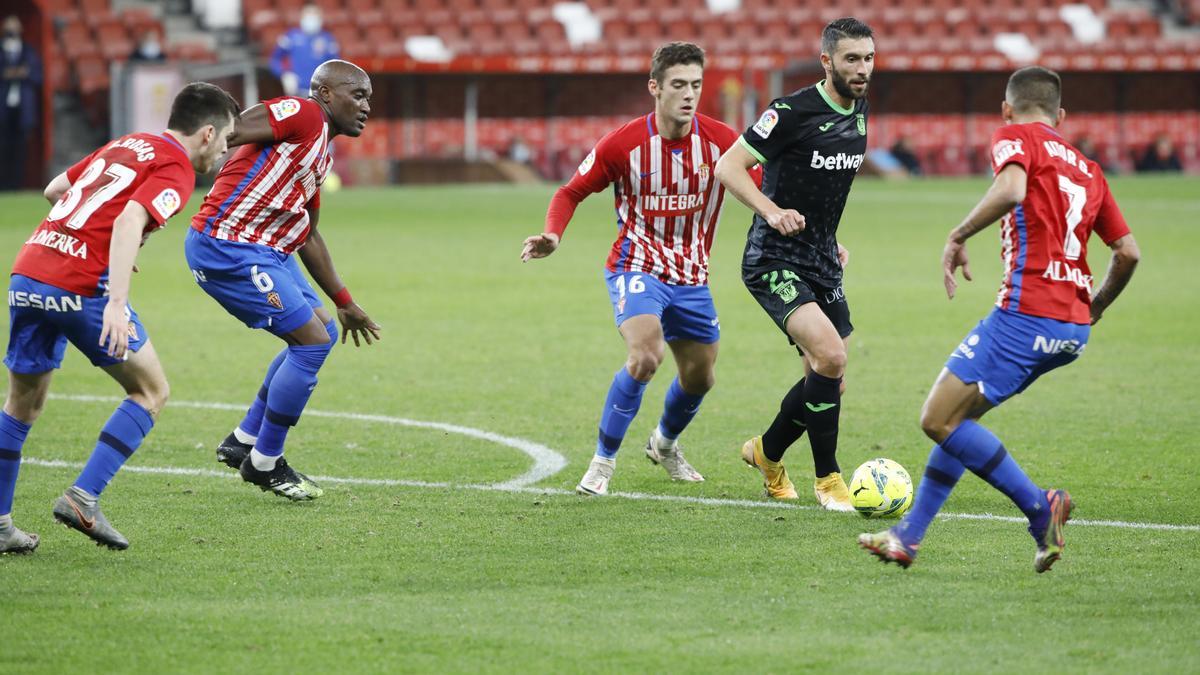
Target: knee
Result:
[831, 361]
[644, 362]
[24, 410]
[154, 397]
[936, 427]
[697, 381]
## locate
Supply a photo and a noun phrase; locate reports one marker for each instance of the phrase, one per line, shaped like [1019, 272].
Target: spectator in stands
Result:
[148, 49]
[20, 90]
[1085, 145]
[1160, 156]
[519, 151]
[301, 50]
[904, 154]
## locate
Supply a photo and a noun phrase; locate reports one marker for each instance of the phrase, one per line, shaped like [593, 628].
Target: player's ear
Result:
[1062, 117]
[1006, 112]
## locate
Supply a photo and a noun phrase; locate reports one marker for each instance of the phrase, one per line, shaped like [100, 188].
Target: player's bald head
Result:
[336, 72]
[1034, 89]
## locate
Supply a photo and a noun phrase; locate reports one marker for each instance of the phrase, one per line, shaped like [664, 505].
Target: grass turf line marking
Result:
[640, 496]
[546, 462]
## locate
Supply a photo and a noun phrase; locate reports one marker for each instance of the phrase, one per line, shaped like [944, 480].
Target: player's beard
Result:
[843, 87]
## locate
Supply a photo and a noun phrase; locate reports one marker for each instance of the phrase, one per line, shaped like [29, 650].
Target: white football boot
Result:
[599, 473]
[669, 456]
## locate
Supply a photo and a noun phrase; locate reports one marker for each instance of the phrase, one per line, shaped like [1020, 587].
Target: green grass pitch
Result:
[436, 578]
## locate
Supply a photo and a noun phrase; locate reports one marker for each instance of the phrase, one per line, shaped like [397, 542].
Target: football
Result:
[881, 488]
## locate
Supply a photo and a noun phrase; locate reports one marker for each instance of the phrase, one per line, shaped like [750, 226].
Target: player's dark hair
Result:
[674, 54]
[199, 104]
[840, 29]
[1034, 88]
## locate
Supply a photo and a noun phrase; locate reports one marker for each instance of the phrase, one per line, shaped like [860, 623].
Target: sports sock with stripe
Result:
[620, 407]
[981, 452]
[289, 392]
[12, 437]
[678, 410]
[942, 472]
[251, 423]
[119, 439]
[822, 410]
[789, 424]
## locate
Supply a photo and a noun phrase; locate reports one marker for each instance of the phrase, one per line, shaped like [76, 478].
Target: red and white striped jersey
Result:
[261, 194]
[668, 199]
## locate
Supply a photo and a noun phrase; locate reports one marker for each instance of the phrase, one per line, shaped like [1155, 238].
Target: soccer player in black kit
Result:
[811, 144]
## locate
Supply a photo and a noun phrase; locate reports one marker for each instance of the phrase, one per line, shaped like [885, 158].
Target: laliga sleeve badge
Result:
[281, 110]
[167, 203]
[586, 164]
[766, 123]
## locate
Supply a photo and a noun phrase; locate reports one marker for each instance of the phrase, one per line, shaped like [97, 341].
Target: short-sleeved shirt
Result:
[262, 194]
[1044, 238]
[69, 250]
[811, 149]
[668, 199]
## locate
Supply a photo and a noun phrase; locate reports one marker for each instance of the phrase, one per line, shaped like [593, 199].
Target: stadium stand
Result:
[507, 44]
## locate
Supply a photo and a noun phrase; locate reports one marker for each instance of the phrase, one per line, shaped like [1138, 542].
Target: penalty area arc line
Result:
[546, 461]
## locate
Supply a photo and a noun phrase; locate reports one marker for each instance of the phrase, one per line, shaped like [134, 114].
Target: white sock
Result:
[6, 521]
[661, 441]
[243, 437]
[262, 462]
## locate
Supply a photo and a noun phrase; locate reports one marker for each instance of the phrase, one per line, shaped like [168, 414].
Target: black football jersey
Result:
[811, 150]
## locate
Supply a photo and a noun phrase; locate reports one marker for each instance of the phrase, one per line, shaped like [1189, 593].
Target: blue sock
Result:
[119, 438]
[621, 406]
[290, 389]
[254, 415]
[981, 452]
[942, 472]
[678, 410]
[12, 436]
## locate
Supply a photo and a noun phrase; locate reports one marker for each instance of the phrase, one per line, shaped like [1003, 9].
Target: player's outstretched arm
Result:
[1120, 270]
[56, 188]
[252, 127]
[315, 256]
[733, 170]
[1007, 190]
[122, 253]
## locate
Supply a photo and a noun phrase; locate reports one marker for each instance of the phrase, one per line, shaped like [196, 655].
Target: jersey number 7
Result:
[118, 178]
[1076, 199]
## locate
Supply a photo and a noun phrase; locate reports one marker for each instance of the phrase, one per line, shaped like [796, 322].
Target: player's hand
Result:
[787, 222]
[356, 324]
[953, 257]
[843, 256]
[114, 332]
[539, 246]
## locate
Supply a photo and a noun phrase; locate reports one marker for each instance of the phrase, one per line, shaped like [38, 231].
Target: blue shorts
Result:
[43, 318]
[686, 312]
[260, 286]
[1007, 351]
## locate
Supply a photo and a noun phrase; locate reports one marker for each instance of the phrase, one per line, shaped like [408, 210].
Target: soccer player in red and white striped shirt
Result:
[668, 203]
[263, 208]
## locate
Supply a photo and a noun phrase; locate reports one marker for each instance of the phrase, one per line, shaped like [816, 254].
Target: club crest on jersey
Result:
[281, 110]
[167, 203]
[274, 301]
[766, 123]
[1006, 149]
[586, 165]
[703, 172]
[861, 120]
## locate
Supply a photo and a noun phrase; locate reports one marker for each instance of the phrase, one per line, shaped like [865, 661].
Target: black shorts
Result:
[780, 289]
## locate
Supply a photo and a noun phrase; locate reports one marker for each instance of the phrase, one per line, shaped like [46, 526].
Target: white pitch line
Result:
[640, 496]
[546, 462]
